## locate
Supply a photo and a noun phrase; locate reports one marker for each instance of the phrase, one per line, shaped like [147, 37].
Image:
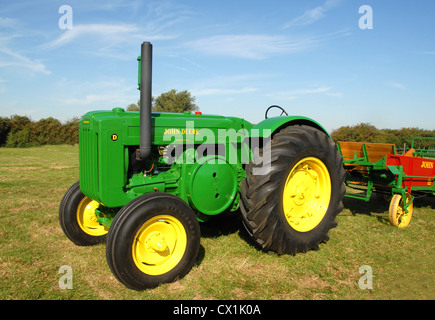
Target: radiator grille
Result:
[88, 151]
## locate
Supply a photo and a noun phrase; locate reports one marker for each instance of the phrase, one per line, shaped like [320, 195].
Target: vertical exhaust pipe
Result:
[145, 101]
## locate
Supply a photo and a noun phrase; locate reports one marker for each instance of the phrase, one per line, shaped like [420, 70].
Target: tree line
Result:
[20, 131]
[171, 101]
[365, 132]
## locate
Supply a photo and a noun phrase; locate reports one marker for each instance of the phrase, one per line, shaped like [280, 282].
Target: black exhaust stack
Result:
[145, 101]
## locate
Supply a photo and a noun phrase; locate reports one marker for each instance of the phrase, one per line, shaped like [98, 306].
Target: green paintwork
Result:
[205, 165]
[213, 185]
[375, 173]
[266, 127]
[108, 137]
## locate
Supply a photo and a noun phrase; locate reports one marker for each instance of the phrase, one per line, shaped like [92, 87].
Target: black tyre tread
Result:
[68, 218]
[259, 201]
[62, 205]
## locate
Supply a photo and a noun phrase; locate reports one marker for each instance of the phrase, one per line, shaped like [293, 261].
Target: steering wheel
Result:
[274, 106]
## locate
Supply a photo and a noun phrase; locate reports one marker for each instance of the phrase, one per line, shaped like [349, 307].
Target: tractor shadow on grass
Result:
[227, 224]
[224, 224]
[376, 207]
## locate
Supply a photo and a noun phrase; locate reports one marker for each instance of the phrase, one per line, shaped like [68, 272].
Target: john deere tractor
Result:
[148, 179]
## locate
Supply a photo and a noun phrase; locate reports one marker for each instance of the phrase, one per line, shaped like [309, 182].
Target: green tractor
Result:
[148, 179]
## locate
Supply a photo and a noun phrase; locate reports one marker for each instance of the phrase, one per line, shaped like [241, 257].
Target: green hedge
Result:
[19, 131]
[365, 132]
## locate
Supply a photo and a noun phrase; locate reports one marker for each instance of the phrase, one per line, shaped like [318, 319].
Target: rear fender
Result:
[261, 134]
[268, 127]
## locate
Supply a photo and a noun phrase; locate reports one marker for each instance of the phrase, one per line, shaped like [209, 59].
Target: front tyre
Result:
[291, 207]
[78, 220]
[153, 239]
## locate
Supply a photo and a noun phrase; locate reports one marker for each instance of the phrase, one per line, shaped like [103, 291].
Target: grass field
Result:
[33, 248]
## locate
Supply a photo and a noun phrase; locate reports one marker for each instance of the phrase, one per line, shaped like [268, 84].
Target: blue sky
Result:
[236, 57]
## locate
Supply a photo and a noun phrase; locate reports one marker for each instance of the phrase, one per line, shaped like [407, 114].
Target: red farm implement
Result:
[377, 168]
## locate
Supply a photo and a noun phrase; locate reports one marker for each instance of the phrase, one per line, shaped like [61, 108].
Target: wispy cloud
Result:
[251, 46]
[312, 15]
[112, 5]
[222, 91]
[230, 84]
[309, 91]
[334, 94]
[163, 15]
[107, 92]
[9, 58]
[8, 22]
[294, 94]
[106, 35]
[158, 23]
[397, 85]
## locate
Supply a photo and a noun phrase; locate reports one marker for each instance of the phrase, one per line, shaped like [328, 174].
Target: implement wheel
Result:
[153, 239]
[78, 220]
[294, 203]
[397, 215]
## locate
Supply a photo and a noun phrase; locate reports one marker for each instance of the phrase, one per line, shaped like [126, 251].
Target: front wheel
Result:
[153, 239]
[78, 220]
[293, 204]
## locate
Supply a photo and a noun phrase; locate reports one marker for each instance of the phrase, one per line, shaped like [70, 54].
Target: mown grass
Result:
[33, 248]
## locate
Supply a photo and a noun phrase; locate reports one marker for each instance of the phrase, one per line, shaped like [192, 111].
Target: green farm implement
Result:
[377, 168]
[148, 179]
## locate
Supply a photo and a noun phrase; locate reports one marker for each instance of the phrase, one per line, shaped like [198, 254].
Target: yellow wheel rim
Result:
[307, 193]
[87, 218]
[397, 215]
[159, 245]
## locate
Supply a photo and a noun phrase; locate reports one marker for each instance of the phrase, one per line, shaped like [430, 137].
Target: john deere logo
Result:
[114, 137]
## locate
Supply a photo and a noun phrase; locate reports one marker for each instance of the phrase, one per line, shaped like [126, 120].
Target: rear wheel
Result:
[78, 220]
[291, 207]
[153, 239]
[397, 215]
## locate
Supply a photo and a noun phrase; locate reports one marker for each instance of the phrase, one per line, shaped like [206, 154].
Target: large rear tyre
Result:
[153, 239]
[78, 220]
[291, 207]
